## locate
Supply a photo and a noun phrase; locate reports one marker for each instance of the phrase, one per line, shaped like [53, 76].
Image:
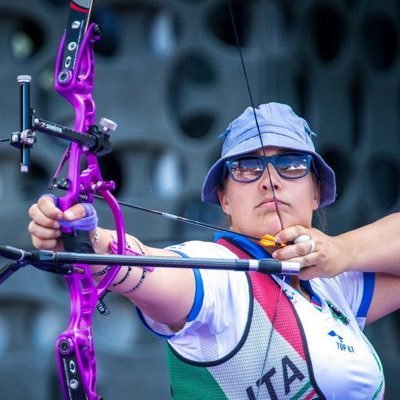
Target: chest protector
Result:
[271, 360]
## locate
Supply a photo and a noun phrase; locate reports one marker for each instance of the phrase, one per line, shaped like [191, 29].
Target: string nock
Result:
[269, 241]
[108, 125]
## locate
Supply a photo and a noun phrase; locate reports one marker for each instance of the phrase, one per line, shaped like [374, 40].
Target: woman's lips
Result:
[270, 204]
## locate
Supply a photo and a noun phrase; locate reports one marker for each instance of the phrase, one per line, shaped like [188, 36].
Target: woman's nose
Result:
[270, 178]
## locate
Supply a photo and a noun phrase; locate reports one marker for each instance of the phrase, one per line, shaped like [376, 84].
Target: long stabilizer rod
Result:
[47, 260]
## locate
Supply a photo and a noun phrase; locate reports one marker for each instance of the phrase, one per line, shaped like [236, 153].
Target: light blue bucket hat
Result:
[279, 127]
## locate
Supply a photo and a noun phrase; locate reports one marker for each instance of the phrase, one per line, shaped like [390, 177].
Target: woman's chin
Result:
[272, 227]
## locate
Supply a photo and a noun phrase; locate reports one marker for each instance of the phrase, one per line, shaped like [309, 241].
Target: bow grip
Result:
[77, 241]
[75, 234]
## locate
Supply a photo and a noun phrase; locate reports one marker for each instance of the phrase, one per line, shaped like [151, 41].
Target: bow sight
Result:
[95, 140]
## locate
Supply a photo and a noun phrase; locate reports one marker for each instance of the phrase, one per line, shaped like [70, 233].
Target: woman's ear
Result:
[223, 199]
[316, 194]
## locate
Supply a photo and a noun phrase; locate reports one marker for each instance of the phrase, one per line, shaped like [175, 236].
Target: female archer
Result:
[238, 335]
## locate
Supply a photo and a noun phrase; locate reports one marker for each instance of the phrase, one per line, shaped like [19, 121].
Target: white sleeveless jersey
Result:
[344, 364]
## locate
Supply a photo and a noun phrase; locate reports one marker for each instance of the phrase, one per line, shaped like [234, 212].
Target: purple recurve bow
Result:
[74, 80]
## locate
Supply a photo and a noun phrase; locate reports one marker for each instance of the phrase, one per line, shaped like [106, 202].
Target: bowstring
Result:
[254, 110]
[269, 342]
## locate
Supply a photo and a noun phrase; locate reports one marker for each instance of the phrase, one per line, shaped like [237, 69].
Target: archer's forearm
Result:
[374, 247]
[164, 294]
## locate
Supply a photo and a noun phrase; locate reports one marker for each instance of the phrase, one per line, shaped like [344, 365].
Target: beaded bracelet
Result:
[137, 244]
[141, 280]
[124, 278]
[129, 251]
[113, 248]
[102, 272]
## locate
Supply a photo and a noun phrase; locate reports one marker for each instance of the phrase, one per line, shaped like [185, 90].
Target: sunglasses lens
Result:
[292, 166]
[246, 169]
